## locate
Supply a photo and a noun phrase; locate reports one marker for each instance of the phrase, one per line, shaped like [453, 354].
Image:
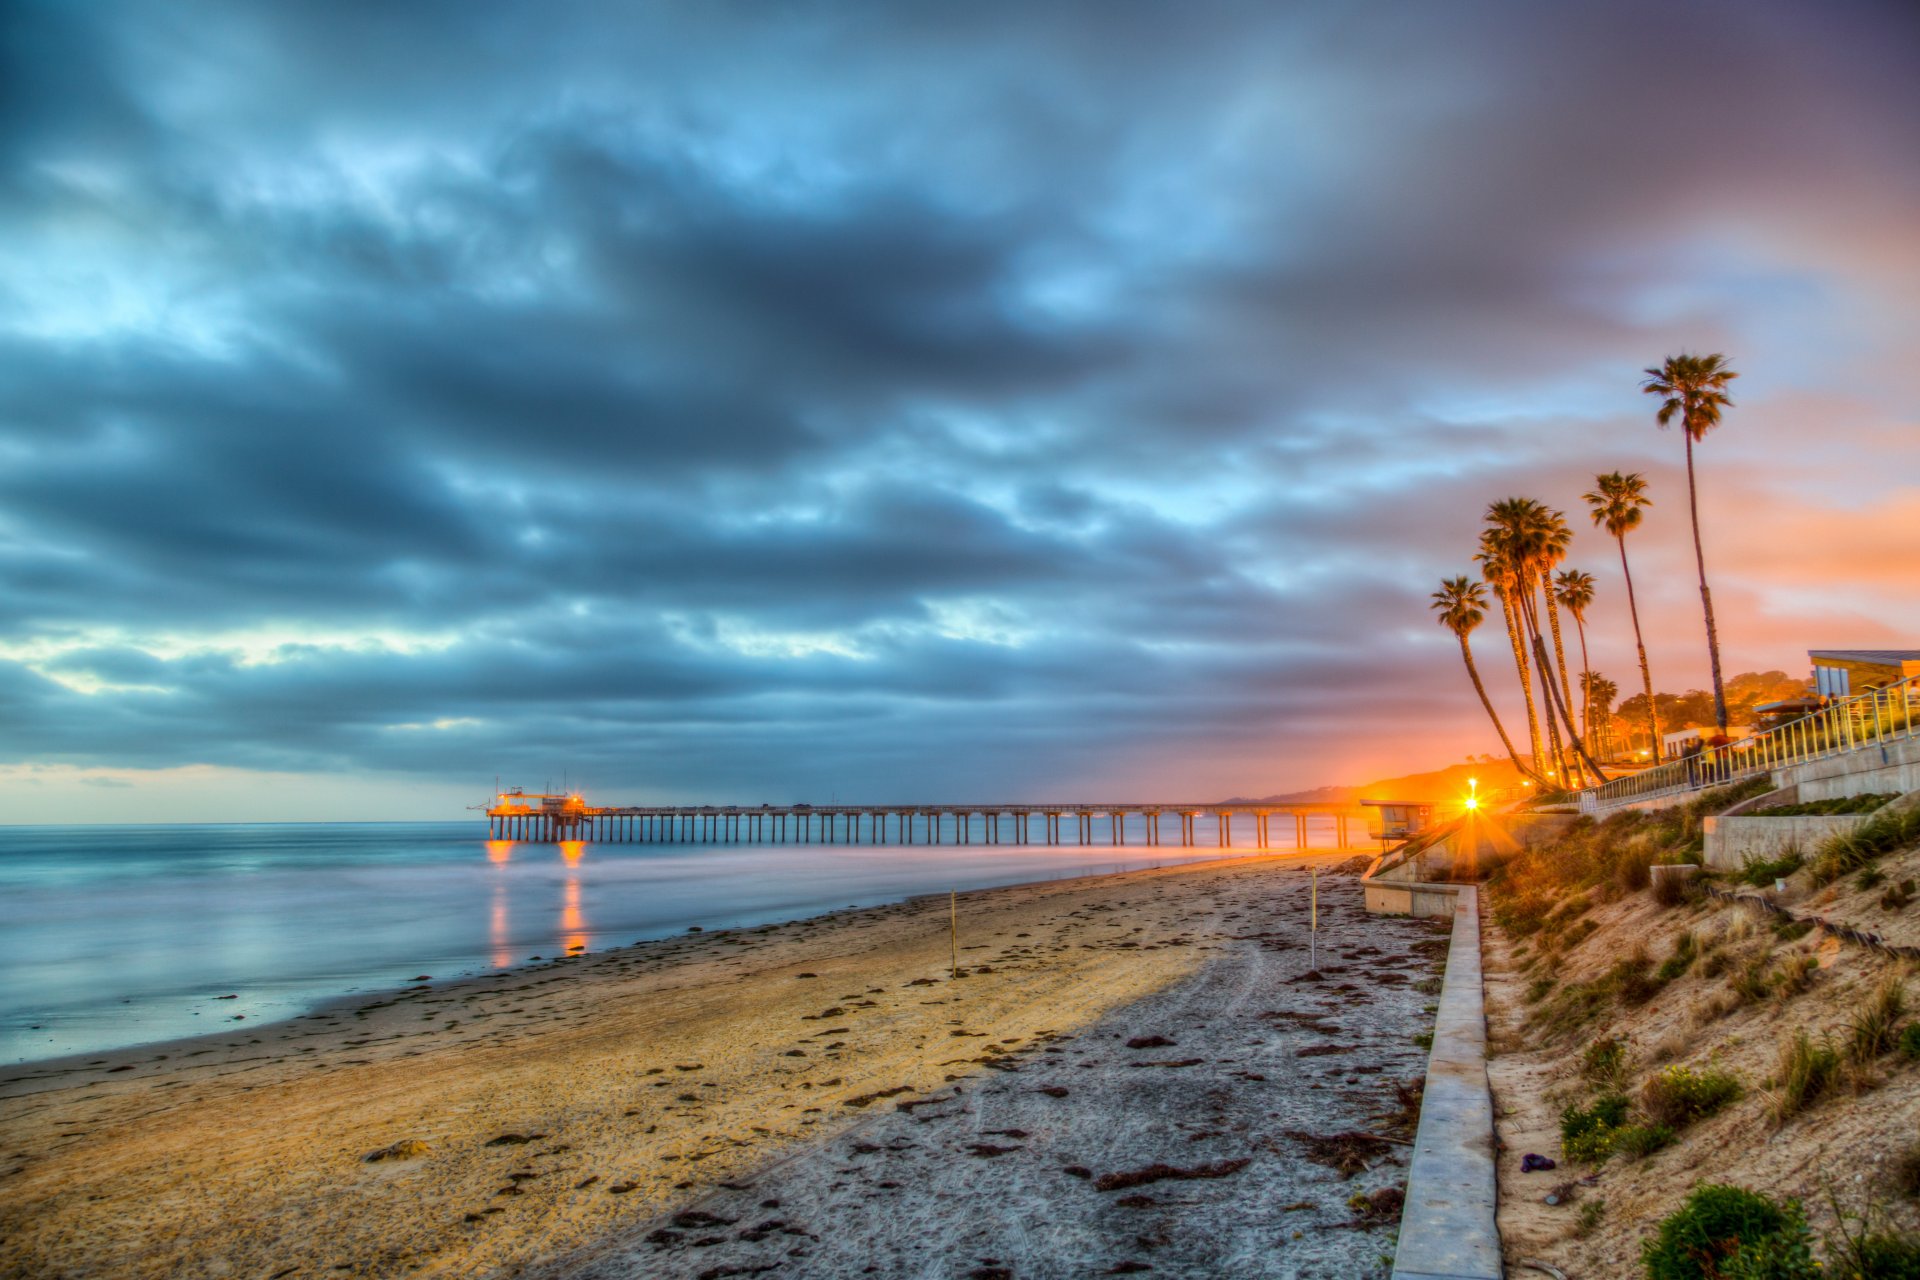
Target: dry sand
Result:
[572, 1108]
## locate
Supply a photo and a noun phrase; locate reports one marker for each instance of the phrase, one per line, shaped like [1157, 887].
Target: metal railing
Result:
[1846, 724]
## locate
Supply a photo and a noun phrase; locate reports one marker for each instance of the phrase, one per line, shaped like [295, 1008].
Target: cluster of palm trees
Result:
[1525, 542]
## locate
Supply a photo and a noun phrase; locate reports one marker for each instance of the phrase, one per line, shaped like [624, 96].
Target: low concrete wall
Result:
[1732, 839]
[1469, 847]
[1447, 1230]
[1892, 767]
[1406, 898]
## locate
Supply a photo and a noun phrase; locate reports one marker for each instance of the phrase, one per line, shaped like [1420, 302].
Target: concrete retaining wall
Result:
[1732, 839]
[1892, 767]
[1447, 1230]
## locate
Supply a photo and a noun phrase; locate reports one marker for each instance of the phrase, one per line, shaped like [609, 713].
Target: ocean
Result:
[120, 935]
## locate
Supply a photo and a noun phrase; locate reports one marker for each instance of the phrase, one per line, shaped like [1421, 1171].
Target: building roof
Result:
[1890, 657]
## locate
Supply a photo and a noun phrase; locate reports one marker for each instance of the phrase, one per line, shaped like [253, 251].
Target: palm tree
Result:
[1616, 502]
[1600, 693]
[1497, 569]
[1462, 604]
[1554, 540]
[1575, 590]
[1526, 536]
[1694, 389]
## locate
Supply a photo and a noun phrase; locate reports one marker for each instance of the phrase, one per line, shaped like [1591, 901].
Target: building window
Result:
[1831, 682]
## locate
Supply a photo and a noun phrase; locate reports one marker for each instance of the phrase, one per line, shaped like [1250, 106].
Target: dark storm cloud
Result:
[712, 398]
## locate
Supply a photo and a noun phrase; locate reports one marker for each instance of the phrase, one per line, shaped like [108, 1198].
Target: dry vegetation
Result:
[1652, 1047]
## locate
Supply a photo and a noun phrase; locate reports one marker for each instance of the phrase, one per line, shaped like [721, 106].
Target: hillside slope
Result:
[1597, 989]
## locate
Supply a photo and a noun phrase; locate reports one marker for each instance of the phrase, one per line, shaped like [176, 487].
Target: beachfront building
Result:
[1679, 741]
[1400, 819]
[1840, 672]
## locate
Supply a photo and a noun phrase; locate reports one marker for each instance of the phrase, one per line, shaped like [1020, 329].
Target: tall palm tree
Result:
[1554, 538]
[1600, 693]
[1523, 533]
[1497, 568]
[1462, 604]
[1575, 590]
[1694, 389]
[1616, 503]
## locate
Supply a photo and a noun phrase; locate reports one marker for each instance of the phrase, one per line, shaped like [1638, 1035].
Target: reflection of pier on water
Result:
[568, 819]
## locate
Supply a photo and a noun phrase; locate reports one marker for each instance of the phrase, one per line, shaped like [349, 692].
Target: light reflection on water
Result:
[122, 935]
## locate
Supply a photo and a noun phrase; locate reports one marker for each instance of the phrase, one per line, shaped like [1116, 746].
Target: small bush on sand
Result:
[1876, 1023]
[1752, 981]
[1871, 878]
[1898, 896]
[1717, 1222]
[1762, 872]
[1685, 950]
[1807, 1070]
[1586, 1133]
[1909, 1042]
[1674, 891]
[1784, 1255]
[1604, 1064]
[1886, 831]
[1592, 1213]
[1678, 1096]
[1630, 980]
[1640, 1140]
[1792, 975]
[1906, 1173]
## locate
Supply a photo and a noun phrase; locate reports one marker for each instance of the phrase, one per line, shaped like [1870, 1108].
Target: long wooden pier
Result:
[564, 818]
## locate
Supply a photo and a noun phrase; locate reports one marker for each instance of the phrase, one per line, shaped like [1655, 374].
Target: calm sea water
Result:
[112, 936]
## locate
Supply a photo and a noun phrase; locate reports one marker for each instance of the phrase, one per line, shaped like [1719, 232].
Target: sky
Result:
[716, 402]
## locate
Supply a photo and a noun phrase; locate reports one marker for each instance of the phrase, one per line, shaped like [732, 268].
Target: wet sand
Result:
[571, 1110]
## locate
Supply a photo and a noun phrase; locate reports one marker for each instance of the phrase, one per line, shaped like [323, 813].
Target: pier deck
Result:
[556, 819]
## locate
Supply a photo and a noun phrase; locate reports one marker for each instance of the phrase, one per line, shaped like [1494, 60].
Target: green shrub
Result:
[1586, 1134]
[1604, 1064]
[1792, 975]
[1908, 1042]
[1884, 832]
[1871, 878]
[1897, 896]
[1876, 1023]
[1884, 1257]
[1697, 1240]
[1826, 808]
[1787, 1254]
[1592, 1212]
[1807, 1070]
[1629, 980]
[1762, 872]
[1639, 1140]
[1685, 949]
[1678, 1096]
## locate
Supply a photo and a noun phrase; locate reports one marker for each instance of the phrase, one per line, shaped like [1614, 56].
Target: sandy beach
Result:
[568, 1118]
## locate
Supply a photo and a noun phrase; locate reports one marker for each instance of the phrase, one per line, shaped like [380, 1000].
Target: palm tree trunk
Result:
[1554, 703]
[1586, 688]
[1559, 654]
[1473, 672]
[1526, 680]
[1530, 616]
[1646, 672]
[1706, 597]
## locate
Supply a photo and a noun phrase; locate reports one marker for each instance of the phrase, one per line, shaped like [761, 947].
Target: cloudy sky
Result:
[723, 402]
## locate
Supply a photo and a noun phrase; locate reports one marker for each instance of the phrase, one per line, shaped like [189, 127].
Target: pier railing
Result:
[1872, 718]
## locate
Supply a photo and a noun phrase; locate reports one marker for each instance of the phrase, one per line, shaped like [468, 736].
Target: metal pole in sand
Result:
[1313, 924]
[953, 927]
